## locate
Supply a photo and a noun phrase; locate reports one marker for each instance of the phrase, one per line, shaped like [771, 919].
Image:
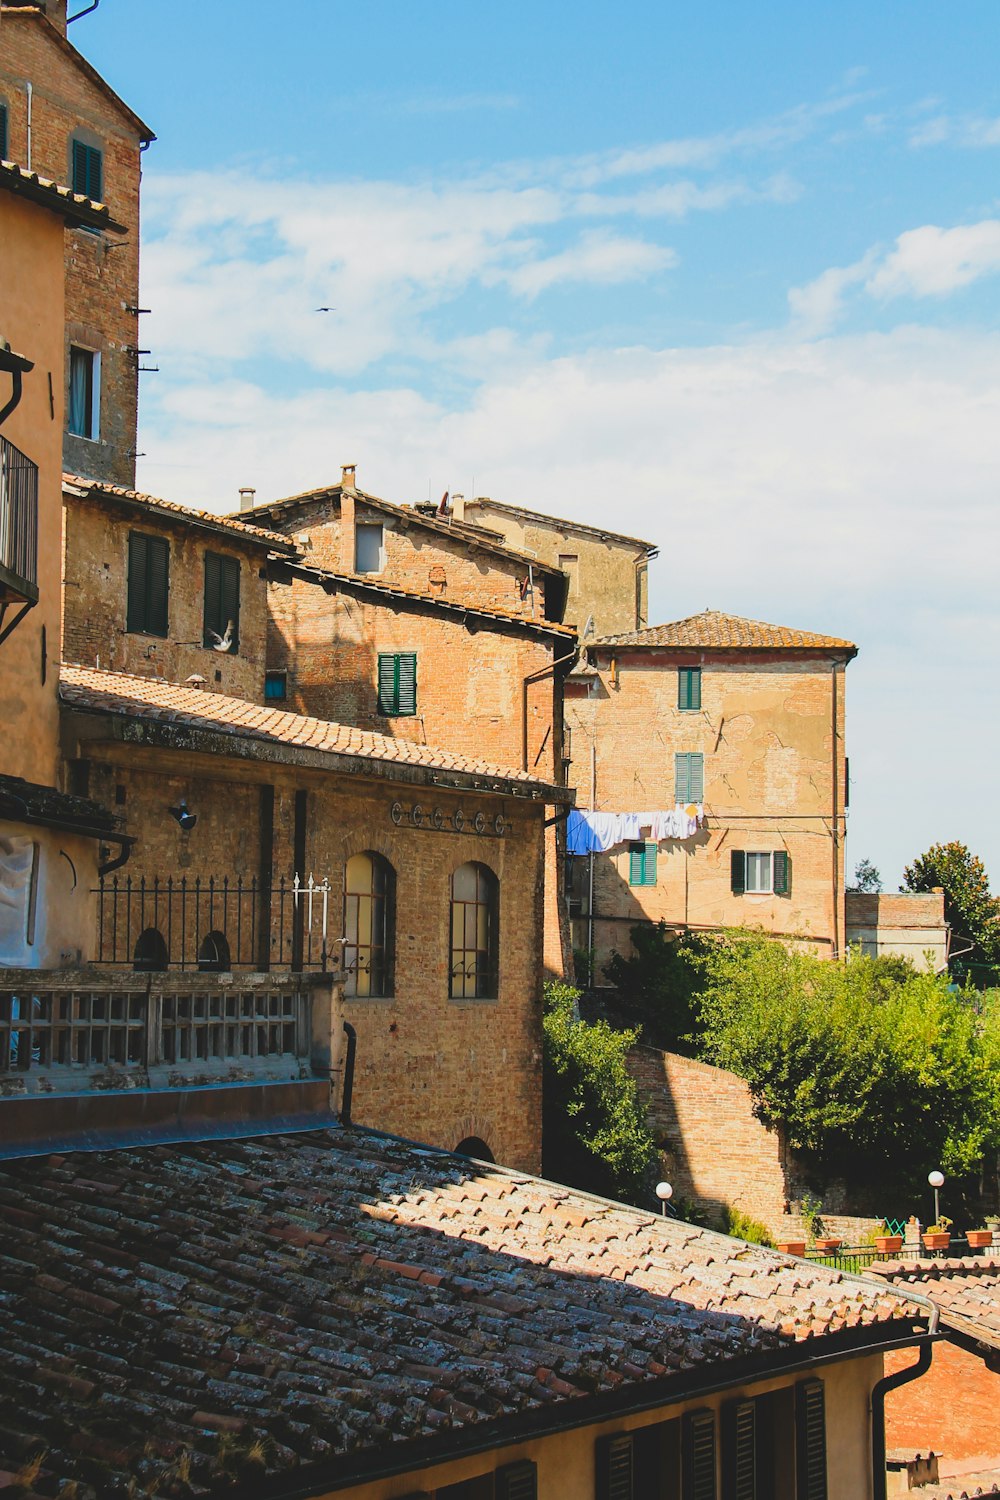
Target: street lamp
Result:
[664, 1192]
[936, 1180]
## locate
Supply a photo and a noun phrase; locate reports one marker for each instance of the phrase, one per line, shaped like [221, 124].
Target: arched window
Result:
[475, 901]
[369, 925]
[476, 1148]
[150, 955]
[213, 955]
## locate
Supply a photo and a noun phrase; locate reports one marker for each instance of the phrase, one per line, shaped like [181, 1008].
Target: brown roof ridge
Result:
[172, 508]
[384, 586]
[74, 207]
[98, 690]
[714, 629]
[542, 515]
[96, 78]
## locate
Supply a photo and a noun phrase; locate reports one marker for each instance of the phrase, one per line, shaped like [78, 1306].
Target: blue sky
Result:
[727, 274]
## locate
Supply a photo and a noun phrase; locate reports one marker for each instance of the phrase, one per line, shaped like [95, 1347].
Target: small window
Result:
[222, 603]
[642, 864]
[368, 548]
[689, 688]
[760, 872]
[150, 955]
[369, 922]
[397, 684]
[689, 778]
[148, 583]
[4, 143]
[84, 406]
[474, 922]
[275, 687]
[88, 170]
[213, 955]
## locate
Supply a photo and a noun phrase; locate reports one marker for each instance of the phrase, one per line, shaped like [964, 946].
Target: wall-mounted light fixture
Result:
[186, 819]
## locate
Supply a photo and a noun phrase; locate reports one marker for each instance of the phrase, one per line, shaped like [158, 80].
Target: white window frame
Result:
[761, 890]
[95, 395]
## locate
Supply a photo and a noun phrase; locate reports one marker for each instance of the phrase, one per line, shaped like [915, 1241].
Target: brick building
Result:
[607, 573]
[742, 720]
[910, 924]
[60, 118]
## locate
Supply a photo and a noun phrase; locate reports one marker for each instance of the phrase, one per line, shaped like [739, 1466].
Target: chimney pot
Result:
[348, 476]
[248, 496]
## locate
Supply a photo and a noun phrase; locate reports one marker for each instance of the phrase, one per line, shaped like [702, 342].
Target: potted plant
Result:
[937, 1236]
[828, 1244]
[980, 1239]
[886, 1243]
[792, 1247]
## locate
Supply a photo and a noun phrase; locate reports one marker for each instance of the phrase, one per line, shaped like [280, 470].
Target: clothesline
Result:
[596, 832]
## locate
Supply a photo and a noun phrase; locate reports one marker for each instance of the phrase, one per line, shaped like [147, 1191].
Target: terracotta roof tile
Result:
[713, 630]
[75, 484]
[73, 207]
[967, 1290]
[151, 698]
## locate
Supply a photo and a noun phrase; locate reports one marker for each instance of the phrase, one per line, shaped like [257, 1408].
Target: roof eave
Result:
[180, 516]
[78, 212]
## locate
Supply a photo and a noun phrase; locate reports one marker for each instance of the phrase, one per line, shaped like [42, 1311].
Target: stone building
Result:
[607, 573]
[741, 723]
[60, 118]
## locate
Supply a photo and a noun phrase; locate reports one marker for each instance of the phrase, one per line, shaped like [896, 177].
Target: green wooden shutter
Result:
[810, 1440]
[689, 688]
[407, 680]
[613, 1467]
[79, 168]
[213, 597]
[137, 553]
[517, 1481]
[737, 871]
[698, 1456]
[87, 170]
[649, 864]
[157, 584]
[387, 684]
[3, 133]
[781, 873]
[230, 599]
[681, 779]
[739, 1450]
[696, 778]
[636, 864]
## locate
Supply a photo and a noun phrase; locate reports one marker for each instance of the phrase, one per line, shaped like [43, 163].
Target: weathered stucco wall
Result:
[910, 924]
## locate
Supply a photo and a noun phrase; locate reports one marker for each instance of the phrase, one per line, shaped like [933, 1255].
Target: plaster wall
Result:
[910, 924]
[47, 907]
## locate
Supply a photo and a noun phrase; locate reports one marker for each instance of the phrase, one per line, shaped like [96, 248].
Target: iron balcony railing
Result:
[208, 925]
[18, 523]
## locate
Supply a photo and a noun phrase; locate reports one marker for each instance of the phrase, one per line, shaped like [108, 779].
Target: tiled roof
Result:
[331, 1295]
[152, 699]
[484, 506]
[967, 1291]
[471, 535]
[80, 488]
[450, 604]
[713, 630]
[31, 802]
[73, 207]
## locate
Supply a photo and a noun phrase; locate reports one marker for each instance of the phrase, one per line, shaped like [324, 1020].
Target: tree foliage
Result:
[876, 1070]
[657, 987]
[867, 880]
[969, 909]
[595, 1134]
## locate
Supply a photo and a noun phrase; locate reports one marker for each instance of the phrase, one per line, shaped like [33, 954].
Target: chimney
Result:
[458, 507]
[348, 476]
[55, 11]
[247, 498]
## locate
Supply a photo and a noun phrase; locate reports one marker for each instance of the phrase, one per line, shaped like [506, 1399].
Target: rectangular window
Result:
[698, 1456]
[613, 1467]
[689, 778]
[739, 1450]
[222, 603]
[760, 873]
[397, 684]
[810, 1440]
[88, 170]
[642, 864]
[84, 405]
[148, 583]
[3, 133]
[275, 686]
[368, 548]
[689, 688]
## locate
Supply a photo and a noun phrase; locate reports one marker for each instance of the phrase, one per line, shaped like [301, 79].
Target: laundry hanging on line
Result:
[596, 832]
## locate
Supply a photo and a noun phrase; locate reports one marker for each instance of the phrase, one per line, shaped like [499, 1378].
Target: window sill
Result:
[369, 999]
[82, 437]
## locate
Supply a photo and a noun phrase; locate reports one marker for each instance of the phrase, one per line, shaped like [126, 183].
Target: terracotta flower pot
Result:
[828, 1244]
[979, 1239]
[939, 1241]
[792, 1247]
[888, 1244]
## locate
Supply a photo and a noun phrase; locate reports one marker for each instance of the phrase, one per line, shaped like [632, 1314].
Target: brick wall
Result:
[96, 597]
[952, 1409]
[102, 270]
[428, 1067]
[908, 923]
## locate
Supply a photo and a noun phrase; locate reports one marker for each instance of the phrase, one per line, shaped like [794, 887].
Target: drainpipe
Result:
[536, 677]
[125, 842]
[27, 91]
[836, 815]
[590, 897]
[891, 1383]
[352, 1047]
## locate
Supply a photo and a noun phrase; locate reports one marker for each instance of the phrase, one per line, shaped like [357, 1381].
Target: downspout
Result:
[352, 1047]
[126, 842]
[536, 677]
[590, 896]
[16, 392]
[835, 953]
[27, 91]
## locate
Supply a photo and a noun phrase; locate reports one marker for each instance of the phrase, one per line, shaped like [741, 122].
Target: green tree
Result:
[657, 987]
[969, 909]
[595, 1134]
[877, 1071]
[867, 880]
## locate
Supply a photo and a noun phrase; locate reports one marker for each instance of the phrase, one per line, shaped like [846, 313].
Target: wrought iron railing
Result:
[207, 925]
[75, 1032]
[18, 520]
[860, 1257]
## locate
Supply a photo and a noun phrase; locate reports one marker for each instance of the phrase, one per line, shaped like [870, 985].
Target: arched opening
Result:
[213, 955]
[150, 955]
[475, 903]
[475, 1148]
[369, 925]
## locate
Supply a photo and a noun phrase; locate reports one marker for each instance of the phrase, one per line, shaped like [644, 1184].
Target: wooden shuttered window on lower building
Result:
[810, 1441]
[739, 1450]
[781, 872]
[642, 863]
[613, 1467]
[517, 1481]
[148, 583]
[222, 600]
[88, 170]
[689, 688]
[698, 1457]
[397, 683]
[689, 777]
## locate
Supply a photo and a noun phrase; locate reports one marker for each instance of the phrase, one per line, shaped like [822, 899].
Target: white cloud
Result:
[947, 130]
[597, 257]
[931, 262]
[817, 306]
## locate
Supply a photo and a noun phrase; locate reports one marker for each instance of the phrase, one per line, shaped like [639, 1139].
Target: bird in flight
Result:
[223, 642]
[325, 309]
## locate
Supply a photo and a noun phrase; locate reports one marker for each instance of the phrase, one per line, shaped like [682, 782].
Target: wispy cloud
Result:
[972, 131]
[597, 257]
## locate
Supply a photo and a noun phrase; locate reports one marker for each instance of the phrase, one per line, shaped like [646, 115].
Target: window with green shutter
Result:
[689, 777]
[222, 602]
[781, 873]
[88, 170]
[148, 583]
[642, 864]
[689, 688]
[760, 872]
[397, 684]
[613, 1467]
[698, 1456]
[810, 1441]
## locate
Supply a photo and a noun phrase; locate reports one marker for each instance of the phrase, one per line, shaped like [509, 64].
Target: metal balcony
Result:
[18, 536]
